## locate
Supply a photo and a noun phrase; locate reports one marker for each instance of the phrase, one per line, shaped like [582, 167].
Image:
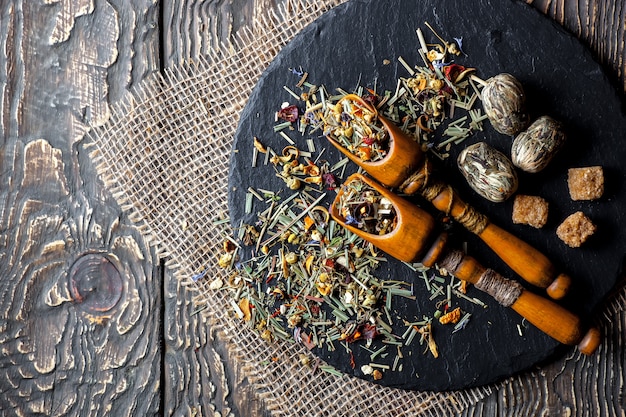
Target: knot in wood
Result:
[95, 283]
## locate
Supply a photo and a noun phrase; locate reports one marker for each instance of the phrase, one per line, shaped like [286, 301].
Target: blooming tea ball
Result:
[534, 148]
[504, 102]
[488, 171]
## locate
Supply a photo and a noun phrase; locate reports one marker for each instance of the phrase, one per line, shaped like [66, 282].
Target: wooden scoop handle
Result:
[406, 167]
[549, 317]
[532, 265]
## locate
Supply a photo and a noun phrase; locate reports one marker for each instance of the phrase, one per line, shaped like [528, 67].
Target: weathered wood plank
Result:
[192, 28]
[189, 365]
[80, 329]
[76, 300]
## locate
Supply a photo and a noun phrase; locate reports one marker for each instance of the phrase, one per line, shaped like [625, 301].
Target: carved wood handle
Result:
[549, 317]
[532, 265]
[406, 167]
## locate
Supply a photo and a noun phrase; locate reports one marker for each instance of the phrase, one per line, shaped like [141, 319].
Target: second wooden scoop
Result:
[413, 239]
[406, 168]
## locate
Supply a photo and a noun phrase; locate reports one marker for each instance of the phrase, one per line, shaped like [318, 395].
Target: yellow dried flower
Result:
[259, 146]
[291, 258]
[225, 260]
[451, 317]
[294, 320]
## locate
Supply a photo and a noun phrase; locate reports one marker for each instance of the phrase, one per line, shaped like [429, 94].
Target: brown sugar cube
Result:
[585, 183]
[530, 210]
[575, 229]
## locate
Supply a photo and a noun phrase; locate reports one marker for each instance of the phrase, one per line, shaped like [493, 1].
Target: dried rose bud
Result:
[488, 171]
[534, 148]
[504, 102]
[289, 113]
[330, 180]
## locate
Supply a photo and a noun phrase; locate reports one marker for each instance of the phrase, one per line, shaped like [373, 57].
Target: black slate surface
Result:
[348, 45]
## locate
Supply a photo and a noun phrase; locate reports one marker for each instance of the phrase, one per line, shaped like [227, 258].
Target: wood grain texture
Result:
[194, 379]
[191, 28]
[599, 24]
[121, 338]
[73, 336]
[80, 322]
[593, 386]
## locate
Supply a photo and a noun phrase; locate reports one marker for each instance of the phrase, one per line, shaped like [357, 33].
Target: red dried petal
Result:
[365, 331]
[369, 140]
[371, 98]
[369, 331]
[289, 113]
[330, 180]
[452, 71]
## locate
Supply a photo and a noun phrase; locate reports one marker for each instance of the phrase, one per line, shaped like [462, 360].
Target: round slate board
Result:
[347, 46]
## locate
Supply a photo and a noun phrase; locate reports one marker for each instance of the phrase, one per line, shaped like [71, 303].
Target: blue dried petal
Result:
[440, 64]
[351, 220]
[199, 276]
[459, 41]
[345, 117]
[299, 72]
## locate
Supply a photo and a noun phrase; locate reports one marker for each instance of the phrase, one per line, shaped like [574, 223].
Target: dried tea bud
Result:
[488, 171]
[504, 102]
[534, 148]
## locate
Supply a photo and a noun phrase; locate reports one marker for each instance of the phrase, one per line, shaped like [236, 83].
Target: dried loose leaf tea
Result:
[362, 206]
[534, 148]
[504, 102]
[488, 171]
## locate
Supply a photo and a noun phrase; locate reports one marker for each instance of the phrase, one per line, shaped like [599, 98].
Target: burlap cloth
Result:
[164, 154]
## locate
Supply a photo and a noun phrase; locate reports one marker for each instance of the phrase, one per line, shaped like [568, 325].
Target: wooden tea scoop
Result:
[549, 317]
[406, 168]
[412, 239]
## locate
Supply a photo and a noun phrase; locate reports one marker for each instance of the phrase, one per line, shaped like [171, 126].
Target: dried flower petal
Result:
[451, 317]
[308, 223]
[289, 113]
[225, 260]
[259, 146]
[244, 306]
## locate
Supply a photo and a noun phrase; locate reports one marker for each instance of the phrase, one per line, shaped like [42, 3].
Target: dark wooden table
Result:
[136, 347]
